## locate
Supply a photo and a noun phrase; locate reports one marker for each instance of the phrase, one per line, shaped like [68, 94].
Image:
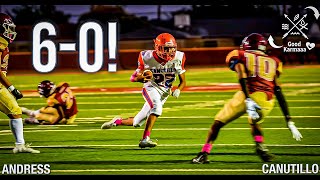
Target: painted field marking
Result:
[168, 102]
[189, 95]
[180, 108]
[8, 132]
[191, 117]
[162, 145]
[97, 119]
[157, 170]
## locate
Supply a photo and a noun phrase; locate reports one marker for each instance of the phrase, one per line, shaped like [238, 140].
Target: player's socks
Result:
[36, 112]
[16, 126]
[258, 139]
[118, 121]
[27, 111]
[207, 148]
[145, 134]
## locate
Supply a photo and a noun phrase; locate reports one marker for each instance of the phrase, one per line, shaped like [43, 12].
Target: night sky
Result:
[139, 10]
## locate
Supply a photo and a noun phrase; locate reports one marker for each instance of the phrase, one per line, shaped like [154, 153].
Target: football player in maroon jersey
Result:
[61, 105]
[8, 93]
[258, 76]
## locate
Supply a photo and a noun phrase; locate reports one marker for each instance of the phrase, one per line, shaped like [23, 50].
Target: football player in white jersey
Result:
[165, 63]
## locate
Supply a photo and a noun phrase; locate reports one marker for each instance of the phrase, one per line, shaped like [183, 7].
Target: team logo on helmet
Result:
[46, 88]
[8, 31]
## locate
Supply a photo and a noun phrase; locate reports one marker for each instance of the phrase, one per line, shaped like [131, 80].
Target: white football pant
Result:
[154, 101]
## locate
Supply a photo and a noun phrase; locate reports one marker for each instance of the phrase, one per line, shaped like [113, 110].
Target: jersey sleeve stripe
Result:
[183, 61]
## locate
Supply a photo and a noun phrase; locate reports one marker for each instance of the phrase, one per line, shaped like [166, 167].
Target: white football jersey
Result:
[164, 72]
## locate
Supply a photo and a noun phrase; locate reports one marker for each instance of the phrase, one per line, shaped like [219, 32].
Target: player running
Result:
[165, 62]
[257, 73]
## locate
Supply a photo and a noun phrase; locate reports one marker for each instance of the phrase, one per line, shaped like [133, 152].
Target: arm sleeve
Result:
[244, 88]
[282, 102]
[242, 75]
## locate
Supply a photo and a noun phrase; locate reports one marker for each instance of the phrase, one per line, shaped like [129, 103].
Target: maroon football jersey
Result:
[261, 69]
[64, 97]
[4, 55]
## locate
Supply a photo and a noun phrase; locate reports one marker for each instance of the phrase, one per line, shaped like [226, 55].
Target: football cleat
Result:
[147, 142]
[110, 124]
[263, 153]
[21, 148]
[202, 158]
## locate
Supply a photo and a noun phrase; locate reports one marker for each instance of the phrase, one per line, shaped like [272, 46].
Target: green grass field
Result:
[83, 148]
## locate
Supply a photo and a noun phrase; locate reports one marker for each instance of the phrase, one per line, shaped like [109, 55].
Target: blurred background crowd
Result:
[200, 28]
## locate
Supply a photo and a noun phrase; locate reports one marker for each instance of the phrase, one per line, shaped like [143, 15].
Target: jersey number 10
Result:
[261, 66]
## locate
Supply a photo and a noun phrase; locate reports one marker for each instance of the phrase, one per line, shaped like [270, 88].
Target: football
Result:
[147, 73]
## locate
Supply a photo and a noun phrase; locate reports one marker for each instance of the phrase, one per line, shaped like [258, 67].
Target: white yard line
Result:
[156, 170]
[175, 102]
[163, 145]
[8, 132]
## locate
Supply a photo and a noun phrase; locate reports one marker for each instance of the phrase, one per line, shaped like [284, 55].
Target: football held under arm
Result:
[137, 74]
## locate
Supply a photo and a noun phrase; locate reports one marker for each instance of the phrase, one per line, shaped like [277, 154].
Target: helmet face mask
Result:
[8, 28]
[254, 41]
[165, 46]
[46, 88]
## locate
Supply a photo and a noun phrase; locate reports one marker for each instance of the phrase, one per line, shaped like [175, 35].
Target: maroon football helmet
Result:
[46, 88]
[7, 28]
[254, 41]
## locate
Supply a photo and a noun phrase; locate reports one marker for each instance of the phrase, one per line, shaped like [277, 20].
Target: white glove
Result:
[252, 109]
[176, 93]
[295, 133]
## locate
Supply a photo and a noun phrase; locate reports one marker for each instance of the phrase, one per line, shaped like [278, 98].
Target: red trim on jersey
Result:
[147, 97]
[141, 63]
[183, 61]
[158, 59]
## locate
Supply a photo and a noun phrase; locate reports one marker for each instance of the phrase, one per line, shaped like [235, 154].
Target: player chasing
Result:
[165, 63]
[61, 107]
[8, 93]
[258, 74]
